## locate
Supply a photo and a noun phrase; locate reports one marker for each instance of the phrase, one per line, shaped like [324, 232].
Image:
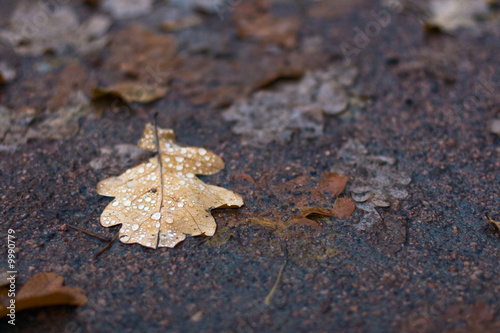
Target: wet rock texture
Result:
[417, 136]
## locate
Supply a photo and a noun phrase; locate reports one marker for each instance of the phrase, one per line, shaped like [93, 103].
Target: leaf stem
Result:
[88, 233]
[157, 141]
[107, 246]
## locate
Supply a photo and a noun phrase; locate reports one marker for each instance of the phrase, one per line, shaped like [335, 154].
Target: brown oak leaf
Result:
[131, 92]
[44, 289]
[161, 201]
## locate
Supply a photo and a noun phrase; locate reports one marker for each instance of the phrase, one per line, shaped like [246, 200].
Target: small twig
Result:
[98, 237]
[88, 233]
[269, 296]
[494, 223]
[107, 246]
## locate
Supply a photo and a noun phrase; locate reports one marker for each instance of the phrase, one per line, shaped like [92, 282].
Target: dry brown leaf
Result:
[142, 54]
[253, 20]
[44, 289]
[343, 208]
[332, 183]
[332, 9]
[305, 196]
[54, 31]
[19, 126]
[161, 201]
[222, 81]
[132, 92]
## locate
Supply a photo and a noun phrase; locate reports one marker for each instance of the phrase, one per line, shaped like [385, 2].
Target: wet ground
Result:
[421, 106]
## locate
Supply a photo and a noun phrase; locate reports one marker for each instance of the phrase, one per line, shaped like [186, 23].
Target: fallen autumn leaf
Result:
[161, 201]
[44, 289]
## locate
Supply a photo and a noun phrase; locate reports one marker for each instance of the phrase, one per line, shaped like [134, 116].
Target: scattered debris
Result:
[161, 201]
[450, 15]
[295, 215]
[58, 29]
[125, 9]
[221, 237]
[310, 199]
[303, 201]
[205, 6]
[177, 19]
[13, 126]
[141, 55]
[63, 123]
[7, 73]
[109, 242]
[275, 115]
[71, 78]
[442, 64]
[141, 62]
[375, 181]
[17, 127]
[253, 20]
[117, 157]
[234, 78]
[325, 9]
[495, 127]
[44, 289]
[204, 42]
